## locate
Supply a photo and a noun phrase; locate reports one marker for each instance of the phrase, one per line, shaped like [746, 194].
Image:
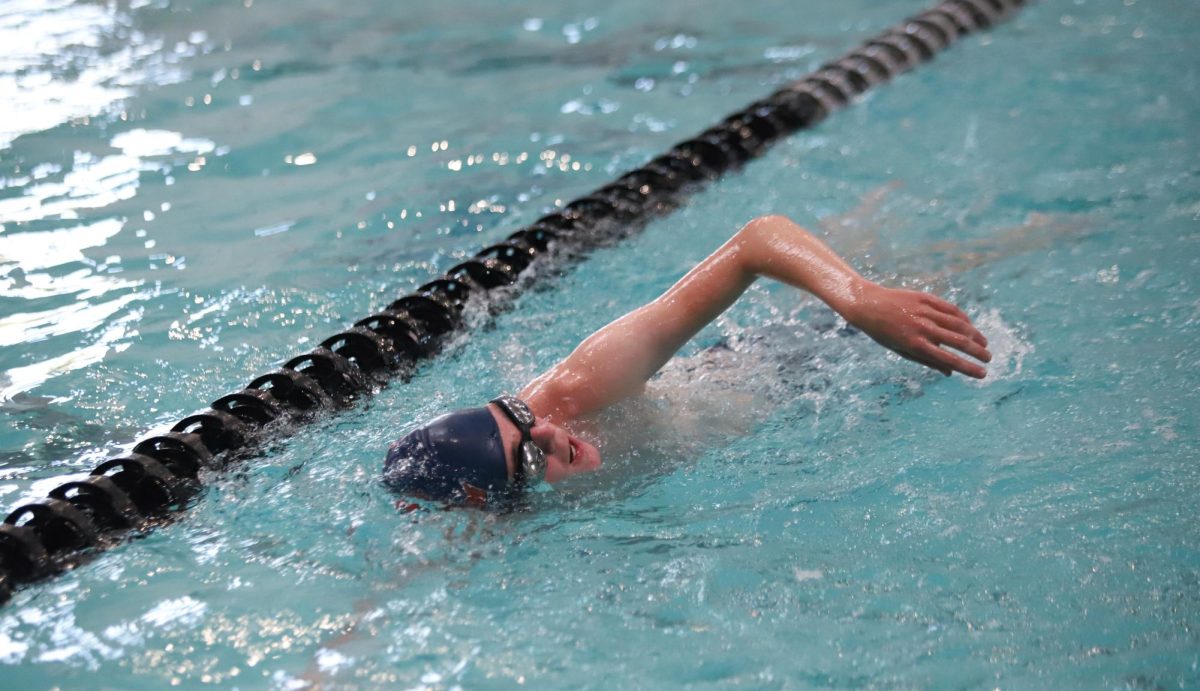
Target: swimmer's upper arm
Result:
[614, 363]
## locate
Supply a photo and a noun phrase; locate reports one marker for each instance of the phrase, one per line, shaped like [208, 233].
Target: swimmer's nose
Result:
[550, 438]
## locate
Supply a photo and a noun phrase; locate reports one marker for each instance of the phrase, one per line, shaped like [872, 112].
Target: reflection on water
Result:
[20, 379]
[31, 251]
[66, 63]
[64, 60]
[42, 268]
[94, 182]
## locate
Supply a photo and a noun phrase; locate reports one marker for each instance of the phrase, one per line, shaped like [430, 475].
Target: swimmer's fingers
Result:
[946, 360]
[952, 323]
[944, 306]
[949, 311]
[922, 361]
[961, 343]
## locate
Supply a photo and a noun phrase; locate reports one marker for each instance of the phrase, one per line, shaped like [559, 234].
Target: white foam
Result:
[1008, 344]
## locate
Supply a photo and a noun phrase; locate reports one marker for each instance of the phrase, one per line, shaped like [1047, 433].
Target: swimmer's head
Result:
[457, 456]
[478, 454]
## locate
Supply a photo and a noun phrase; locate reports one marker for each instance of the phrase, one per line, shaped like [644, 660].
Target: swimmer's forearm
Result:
[917, 326]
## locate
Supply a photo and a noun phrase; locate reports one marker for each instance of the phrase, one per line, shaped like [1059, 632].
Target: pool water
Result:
[191, 192]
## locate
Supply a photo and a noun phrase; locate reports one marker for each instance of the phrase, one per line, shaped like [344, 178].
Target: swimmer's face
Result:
[566, 454]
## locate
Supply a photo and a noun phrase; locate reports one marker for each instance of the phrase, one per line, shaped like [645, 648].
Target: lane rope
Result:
[139, 490]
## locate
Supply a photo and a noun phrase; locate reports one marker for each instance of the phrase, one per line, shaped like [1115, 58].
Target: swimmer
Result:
[480, 454]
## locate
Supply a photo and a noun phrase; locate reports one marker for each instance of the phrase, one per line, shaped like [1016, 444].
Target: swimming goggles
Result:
[531, 465]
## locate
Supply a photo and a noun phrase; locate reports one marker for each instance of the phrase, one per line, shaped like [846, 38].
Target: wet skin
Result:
[566, 454]
[615, 362]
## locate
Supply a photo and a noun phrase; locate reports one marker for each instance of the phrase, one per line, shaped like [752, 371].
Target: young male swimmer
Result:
[479, 453]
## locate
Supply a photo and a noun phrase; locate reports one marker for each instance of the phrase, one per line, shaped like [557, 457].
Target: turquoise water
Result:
[190, 192]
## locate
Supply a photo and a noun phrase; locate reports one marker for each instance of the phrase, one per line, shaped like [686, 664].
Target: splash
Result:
[1008, 344]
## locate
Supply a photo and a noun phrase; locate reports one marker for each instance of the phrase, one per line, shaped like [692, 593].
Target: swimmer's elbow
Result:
[771, 220]
[763, 231]
[773, 224]
[758, 241]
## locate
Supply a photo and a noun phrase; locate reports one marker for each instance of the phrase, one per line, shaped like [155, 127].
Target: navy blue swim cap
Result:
[438, 459]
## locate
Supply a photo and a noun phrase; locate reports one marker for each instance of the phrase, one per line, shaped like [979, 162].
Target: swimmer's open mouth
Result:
[571, 443]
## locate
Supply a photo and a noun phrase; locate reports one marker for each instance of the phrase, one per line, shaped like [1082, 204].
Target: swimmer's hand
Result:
[916, 325]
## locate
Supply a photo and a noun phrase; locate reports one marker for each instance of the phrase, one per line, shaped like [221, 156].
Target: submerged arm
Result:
[615, 362]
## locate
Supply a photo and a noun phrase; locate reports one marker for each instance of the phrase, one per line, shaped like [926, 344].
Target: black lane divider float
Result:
[138, 490]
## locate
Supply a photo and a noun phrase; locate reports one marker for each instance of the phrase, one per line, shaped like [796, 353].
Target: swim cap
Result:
[458, 455]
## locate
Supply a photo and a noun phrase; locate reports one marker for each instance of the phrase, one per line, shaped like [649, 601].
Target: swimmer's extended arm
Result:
[615, 362]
